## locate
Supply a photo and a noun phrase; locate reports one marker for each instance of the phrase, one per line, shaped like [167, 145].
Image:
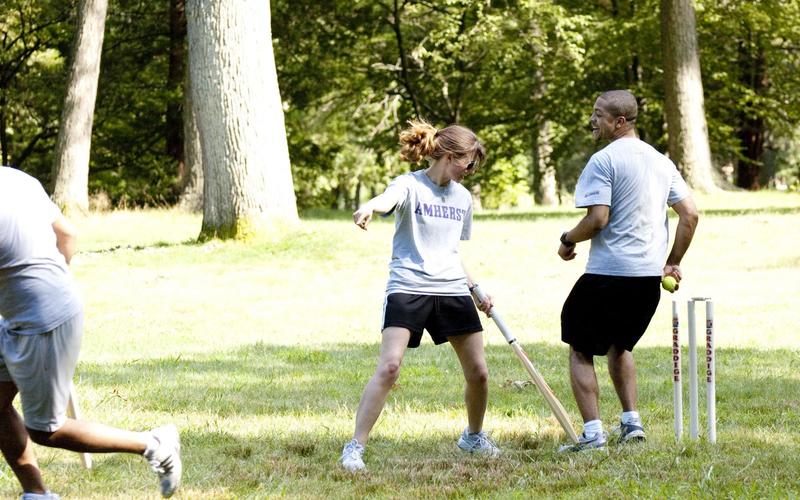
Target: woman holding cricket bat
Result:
[428, 287]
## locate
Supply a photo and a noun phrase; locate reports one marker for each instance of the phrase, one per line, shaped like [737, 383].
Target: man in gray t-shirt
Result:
[626, 188]
[41, 326]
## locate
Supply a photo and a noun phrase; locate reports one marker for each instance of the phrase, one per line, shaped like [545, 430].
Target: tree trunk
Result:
[544, 173]
[751, 127]
[3, 129]
[176, 75]
[247, 178]
[684, 104]
[191, 182]
[71, 166]
[748, 168]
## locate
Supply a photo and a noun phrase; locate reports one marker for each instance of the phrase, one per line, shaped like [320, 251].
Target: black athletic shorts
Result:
[602, 311]
[443, 316]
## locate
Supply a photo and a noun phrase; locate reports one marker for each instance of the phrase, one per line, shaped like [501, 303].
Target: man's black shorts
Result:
[443, 316]
[602, 311]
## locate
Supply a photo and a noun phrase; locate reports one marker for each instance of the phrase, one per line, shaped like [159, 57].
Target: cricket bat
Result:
[74, 412]
[555, 405]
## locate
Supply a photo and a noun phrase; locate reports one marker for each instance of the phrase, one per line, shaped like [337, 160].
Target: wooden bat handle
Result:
[555, 405]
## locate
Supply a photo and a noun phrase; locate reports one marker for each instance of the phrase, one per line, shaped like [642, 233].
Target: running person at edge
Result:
[625, 188]
[428, 286]
[40, 337]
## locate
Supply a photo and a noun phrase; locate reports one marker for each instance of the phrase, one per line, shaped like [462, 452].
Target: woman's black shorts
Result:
[443, 316]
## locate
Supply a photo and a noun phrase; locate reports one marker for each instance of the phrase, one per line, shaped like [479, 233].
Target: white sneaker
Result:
[629, 432]
[48, 495]
[166, 459]
[586, 443]
[352, 455]
[478, 442]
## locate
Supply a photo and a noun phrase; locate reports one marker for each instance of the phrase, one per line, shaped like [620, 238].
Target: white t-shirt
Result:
[430, 220]
[36, 290]
[637, 183]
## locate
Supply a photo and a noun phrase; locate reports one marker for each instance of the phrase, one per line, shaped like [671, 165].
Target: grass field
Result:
[259, 354]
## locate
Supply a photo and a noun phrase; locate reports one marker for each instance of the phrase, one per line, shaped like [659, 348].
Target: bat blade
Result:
[74, 412]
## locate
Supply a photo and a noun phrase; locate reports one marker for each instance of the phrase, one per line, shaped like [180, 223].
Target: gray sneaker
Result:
[48, 495]
[596, 442]
[352, 456]
[166, 459]
[477, 442]
[631, 432]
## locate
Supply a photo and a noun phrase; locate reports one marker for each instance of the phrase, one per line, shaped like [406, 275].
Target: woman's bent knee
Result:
[388, 372]
[478, 376]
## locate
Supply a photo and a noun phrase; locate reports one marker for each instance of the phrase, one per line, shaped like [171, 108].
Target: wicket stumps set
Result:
[711, 399]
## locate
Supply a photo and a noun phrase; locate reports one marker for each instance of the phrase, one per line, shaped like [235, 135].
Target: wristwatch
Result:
[565, 241]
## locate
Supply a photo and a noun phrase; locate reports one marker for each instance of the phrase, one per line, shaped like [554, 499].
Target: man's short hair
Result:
[621, 103]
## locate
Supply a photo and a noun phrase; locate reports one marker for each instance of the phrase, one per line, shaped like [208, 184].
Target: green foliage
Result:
[129, 159]
[507, 184]
[750, 60]
[783, 161]
[352, 73]
[35, 39]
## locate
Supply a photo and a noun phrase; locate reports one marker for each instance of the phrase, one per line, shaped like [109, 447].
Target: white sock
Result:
[592, 427]
[631, 417]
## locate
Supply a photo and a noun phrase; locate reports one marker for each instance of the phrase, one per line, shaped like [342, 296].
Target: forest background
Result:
[522, 74]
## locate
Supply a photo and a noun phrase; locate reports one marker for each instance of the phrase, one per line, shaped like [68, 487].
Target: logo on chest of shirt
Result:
[439, 211]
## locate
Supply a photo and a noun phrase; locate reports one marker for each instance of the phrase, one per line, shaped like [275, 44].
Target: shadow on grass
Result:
[756, 455]
[261, 379]
[304, 465]
[137, 248]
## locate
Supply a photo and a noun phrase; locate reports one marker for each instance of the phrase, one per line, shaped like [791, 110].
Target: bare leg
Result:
[623, 373]
[15, 443]
[90, 437]
[584, 384]
[373, 399]
[469, 349]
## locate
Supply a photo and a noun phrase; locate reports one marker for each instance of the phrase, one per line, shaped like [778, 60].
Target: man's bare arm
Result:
[66, 237]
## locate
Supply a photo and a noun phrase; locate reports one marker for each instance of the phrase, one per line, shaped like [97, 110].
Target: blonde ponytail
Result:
[422, 141]
[418, 141]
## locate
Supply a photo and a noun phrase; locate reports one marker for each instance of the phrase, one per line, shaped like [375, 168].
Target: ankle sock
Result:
[592, 427]
[631, 417]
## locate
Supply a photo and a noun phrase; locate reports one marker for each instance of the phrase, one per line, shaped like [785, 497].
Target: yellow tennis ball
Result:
[669, 284]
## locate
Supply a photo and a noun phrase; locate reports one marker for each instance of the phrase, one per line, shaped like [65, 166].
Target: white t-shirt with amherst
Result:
[430, 221]
[36, 290]
[638, 184]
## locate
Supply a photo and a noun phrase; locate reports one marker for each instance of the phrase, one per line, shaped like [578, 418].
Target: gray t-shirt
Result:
[430, 220]
[637, 183]
[36, 290]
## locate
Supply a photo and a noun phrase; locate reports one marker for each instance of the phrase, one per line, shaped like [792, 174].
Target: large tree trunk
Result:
[544, 172]
[191, 182]
[247, 178]
[686, 121]
[176, 74]
[71, 166]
